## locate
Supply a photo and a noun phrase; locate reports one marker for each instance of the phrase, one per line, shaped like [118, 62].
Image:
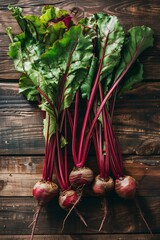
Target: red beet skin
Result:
[125, 187]
[102, 186]
[67, 199]
[44, 191]
[81, 176]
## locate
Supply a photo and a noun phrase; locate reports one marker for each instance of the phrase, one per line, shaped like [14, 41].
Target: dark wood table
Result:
[136, 122]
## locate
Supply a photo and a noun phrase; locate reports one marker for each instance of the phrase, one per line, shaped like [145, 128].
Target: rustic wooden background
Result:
[137, 124]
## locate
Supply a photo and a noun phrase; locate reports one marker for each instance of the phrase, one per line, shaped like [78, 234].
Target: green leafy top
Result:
[108, 41]
[56, 57]
[52, 60]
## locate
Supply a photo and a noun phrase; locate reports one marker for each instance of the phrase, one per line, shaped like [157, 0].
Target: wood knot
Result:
[77, 13]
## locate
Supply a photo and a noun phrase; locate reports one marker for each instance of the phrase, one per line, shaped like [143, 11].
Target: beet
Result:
[44, 191]
[81, 176]
[125, 187]
[102, 186]
[67, 199]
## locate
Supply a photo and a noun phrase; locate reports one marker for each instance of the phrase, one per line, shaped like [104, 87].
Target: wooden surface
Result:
[136, 122]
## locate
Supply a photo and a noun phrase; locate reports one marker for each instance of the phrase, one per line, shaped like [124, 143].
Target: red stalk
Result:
[60, 98]
[113, 168]
[101, 156]
[95, 142]
[62, 186]
[90, 101]
[48, 100]
[106, 167]
[44, 174]
[100, 109]
[75, 122]
[115, 142]
[59, 160]
[61, 166]
[70, 121]
[113, 103]
[65, 154]
[39, 103]
[51, 164]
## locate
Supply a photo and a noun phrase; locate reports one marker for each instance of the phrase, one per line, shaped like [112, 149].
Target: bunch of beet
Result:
[67, 67]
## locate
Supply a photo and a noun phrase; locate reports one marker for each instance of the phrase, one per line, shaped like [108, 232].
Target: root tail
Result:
[105, 207]
[34, 223]
[142, 216]
[72, 208]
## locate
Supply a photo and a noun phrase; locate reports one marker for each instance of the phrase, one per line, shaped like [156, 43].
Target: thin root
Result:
[80, 216]
[142, 216]
[35, 219]
[105, 213]
[70, 210]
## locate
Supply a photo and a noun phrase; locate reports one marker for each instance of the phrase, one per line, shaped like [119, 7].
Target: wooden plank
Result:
[136, 122]
[22, 164]
[123, 216]
[33, 164]
[85, 237]
[134, 12]
[21, 183]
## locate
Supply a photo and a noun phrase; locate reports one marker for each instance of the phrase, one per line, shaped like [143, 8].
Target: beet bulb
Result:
[125, 187]
[44, 191]
[67, 199]
[102, 186]
[81, 176]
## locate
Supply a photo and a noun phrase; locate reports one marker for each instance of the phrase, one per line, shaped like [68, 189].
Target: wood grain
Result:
[20, 183]
[17, 214]
[85, 237]
[33, 164]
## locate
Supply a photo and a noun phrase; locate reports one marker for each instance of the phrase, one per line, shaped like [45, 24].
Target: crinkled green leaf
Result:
[107, 44]
[66, 64]
[87, 84]
[37, 25]
[24, 57]
[27, 88]
[106, 83]
[49, 123]
[25, 51]
[111, 37]
[133, 76]
[17, 14]
[139, 38]
[53, 33]
[50, 12]
[129, 69]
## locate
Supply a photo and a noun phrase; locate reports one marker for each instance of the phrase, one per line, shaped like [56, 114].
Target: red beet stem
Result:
[81, 156]
[66, 154]
[115, 84]
[105, 126]
[75, 122]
